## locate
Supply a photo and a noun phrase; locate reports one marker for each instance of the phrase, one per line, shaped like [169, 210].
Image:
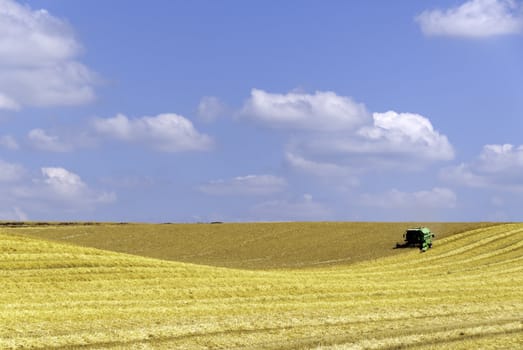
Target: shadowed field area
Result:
[464, 293]
[246, 245]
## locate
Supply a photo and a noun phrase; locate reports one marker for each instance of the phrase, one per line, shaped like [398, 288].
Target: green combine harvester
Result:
[417, 237]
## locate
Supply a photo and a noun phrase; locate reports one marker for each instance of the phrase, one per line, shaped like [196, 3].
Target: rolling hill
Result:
[464, 293]
[245, 245]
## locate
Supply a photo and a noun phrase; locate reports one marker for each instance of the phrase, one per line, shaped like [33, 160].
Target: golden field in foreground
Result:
[463, 293]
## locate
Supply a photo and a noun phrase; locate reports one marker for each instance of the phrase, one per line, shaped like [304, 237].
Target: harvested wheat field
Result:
[463, 293]
[247, 245]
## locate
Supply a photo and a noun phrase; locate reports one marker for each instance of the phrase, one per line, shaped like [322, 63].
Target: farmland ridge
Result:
[245, 245]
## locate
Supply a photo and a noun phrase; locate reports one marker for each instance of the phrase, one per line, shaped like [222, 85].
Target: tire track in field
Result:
[480, 260]
[432, 258]
[408, 338]
[487, 241]
[397, 339]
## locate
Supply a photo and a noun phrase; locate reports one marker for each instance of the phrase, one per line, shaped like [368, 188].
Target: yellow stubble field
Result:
[463, 293]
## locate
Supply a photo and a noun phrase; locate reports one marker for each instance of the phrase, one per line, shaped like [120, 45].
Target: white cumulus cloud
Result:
[404, 133]
[393, 140]
[501, 158]
[58, 185]
[474, 19]
[63, 182]
[54, 193]
[38, 60]
[498, 166]
[334, 136]
[323, 110]
[250, 185]
[167, 132]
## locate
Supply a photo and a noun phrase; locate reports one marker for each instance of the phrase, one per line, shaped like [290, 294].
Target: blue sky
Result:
[195, 111]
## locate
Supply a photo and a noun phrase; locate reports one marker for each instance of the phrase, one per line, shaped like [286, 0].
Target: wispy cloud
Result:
[211, 108]
[498, 166]
[9, 142]
[14, 213]
[41, 140]
[394, 199]
[304, 208]
[10, 171]
[250, 185]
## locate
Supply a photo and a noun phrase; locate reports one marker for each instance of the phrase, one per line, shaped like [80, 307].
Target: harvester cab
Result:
[418, 237]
